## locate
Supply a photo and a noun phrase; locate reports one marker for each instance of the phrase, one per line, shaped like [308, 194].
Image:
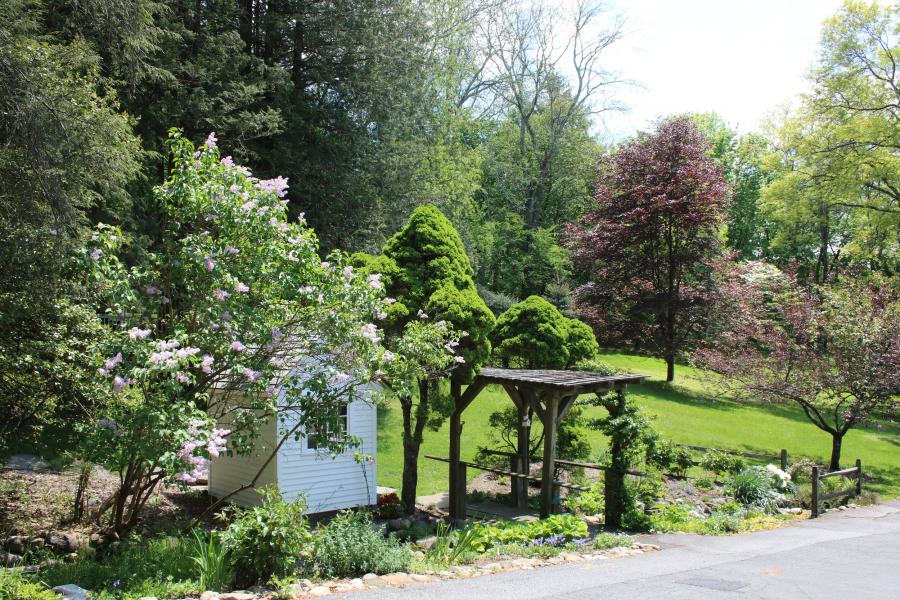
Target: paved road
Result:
[853, 554]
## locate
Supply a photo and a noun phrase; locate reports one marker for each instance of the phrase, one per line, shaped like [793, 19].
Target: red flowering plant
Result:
[389, 506]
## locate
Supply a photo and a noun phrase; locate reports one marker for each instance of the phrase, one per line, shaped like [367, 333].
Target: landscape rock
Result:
[239, 595]
[426, 543]
[148, 598]
[71, 591]
[369, 577]
[8, 559]
[571, 557]
[27, 462]
[320, 590]
[16, 544]
[399, 524]
[420, 578]
[209, 595]
[357, 583]
[397, 579]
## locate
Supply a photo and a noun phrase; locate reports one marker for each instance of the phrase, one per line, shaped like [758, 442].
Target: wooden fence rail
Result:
[818, 497]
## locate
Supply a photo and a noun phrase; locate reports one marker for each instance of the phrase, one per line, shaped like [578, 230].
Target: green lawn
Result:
[685, 412]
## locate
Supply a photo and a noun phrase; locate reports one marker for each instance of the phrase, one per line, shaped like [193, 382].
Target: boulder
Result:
[9, 559]
[369, 577]
[320, 590]
[70, 591]
[399, 524]
[209, 595]
[64, 542]
[426, 543]
[16, 544]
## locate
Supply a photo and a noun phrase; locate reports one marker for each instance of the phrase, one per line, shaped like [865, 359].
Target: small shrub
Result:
[705, 483]
[760, 487]
[586, 503]
[719, 462]
[14, 586]
[350, 546]
[671, 517]
[212, 560]
[666, 456]
[389, 506]
[267, 540]
[451, 546]
[636, 520]
[605, 541]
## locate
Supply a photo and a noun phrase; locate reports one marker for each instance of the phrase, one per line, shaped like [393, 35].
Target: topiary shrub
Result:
[350, 546]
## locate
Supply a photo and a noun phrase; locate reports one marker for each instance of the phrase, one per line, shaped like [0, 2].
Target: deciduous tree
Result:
[648, 248]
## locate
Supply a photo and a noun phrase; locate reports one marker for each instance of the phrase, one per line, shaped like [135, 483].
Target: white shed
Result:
[327, 482]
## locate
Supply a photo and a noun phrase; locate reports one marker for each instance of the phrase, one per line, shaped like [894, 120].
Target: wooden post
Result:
[515, 463]
[858, 477]
[461, 479]
[815, 492]
[784, 460]
[549, 465]
[455, 466]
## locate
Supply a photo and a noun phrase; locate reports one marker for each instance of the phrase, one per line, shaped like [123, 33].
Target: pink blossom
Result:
[228, 162]
[158, 357]
[164, 345]
[341, 377]
[211, 140]
[370, 332]
[459, 359]
[152, 290]
[183, 378]
[301, 218]
[96, 254]
[112, 362]
[227, 316]
[273, 222]
[102, 372]
[388, 356]
[248, 206]
[235, 188]
[219, 294]
[138, 334]
[389, 301]
[207, 363]
[118, 384]
[375, 280]
[348, 272]
[325, 265]
[209, 264]
[250, 374]
[381, 315]
[279, 185]
[237, 346]
[185, 352]
[241, 288]
[422, 314]
[231, 250]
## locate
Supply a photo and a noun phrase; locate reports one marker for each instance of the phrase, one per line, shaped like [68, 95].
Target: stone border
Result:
[305, 588]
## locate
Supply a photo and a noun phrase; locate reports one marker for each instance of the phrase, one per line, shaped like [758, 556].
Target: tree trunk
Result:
[410, 478]
[615, 495]
[836, 441]
[670, 368]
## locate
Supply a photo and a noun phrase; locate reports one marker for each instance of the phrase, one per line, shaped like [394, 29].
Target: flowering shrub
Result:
[211, 325]
[389, 506]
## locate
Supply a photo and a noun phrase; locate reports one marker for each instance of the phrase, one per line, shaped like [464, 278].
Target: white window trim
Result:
[321, 451]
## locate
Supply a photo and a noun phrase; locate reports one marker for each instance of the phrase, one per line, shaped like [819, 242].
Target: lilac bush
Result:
[232, 317]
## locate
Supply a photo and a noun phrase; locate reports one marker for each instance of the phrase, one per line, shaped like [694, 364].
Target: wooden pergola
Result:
[550, 395]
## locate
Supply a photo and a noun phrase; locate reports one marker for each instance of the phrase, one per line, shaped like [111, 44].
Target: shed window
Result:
[315, 439]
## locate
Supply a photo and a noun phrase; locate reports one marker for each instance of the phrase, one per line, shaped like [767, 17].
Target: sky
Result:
[739, 58]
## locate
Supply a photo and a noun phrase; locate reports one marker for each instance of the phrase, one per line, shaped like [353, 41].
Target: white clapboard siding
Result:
[228, 473]
[329, 482]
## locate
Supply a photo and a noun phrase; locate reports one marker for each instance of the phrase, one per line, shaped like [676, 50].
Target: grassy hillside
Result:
[684, 412]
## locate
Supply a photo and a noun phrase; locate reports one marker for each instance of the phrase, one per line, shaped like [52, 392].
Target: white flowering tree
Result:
[232, 317]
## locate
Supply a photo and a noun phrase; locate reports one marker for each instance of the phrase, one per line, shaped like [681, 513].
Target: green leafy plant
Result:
[212, 560]
[350, 546]
[586, 503]
[760, 487]
[452, 545]
[605, 541]
[266, 540]
[719, 462]
[669, 457]
[568, 527]
[14, 586]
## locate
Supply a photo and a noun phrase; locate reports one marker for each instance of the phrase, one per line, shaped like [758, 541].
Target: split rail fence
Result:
[817, 477]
